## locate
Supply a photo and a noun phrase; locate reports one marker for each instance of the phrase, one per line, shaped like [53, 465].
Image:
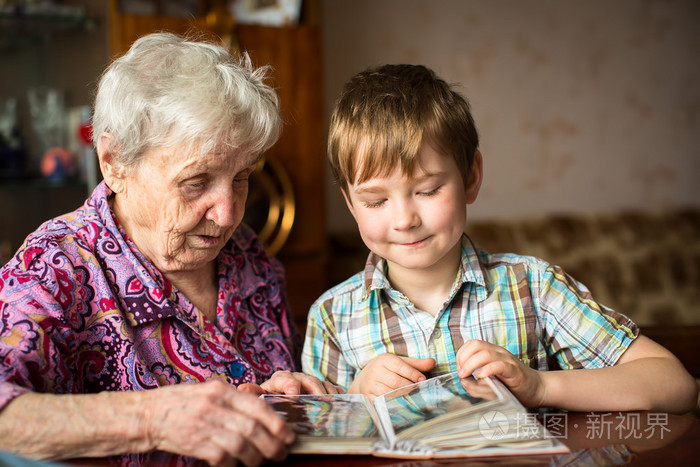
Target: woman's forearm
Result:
[47, 426]
[212, 421]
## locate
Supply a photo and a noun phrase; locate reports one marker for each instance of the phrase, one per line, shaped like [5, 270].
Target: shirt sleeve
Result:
[35, 336]
[579, 331]
[322, 356]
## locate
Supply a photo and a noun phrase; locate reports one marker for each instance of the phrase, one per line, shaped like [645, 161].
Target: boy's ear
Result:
[348, 202]
[476, 175]
[112, 171]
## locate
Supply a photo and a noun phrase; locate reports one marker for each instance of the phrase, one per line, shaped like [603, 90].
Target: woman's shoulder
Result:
[62, 240]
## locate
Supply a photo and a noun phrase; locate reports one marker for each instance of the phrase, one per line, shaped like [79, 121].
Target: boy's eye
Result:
[430, 192]
[373, 203]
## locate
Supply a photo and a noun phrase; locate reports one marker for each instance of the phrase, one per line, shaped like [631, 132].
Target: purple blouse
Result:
[83, 311]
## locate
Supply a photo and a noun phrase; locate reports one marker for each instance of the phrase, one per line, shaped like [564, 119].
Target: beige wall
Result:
[582, 106]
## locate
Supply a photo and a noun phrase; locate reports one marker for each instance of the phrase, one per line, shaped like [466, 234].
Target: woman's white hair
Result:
[173, 92]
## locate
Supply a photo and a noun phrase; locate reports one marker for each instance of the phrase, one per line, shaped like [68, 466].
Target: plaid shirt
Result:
[531, 308]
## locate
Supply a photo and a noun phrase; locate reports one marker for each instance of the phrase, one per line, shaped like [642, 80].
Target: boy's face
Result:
[416, 223]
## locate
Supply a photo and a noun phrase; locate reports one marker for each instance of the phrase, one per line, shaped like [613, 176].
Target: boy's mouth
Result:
[414, 243]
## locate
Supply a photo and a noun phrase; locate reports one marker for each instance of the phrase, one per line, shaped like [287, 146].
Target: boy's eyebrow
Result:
[364, 188]
[368, 189]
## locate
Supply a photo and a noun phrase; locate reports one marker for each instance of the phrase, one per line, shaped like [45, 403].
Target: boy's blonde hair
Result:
[384, 114]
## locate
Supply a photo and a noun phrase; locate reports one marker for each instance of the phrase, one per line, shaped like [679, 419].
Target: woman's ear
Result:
[476, 175]
[112, 171]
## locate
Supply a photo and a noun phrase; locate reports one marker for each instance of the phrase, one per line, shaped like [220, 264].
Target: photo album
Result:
[441, 417]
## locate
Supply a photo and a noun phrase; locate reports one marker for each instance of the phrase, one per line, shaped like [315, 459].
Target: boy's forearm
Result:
[655, 383]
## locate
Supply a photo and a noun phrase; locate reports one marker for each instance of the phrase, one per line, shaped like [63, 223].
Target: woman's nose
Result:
[223, 208]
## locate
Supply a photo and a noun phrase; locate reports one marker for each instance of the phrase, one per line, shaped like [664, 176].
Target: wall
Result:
[581, 106]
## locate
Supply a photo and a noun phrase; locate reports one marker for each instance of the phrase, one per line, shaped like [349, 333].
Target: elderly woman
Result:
[154, 281]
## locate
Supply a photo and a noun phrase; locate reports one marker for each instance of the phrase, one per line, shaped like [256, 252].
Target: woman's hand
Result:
[292, 383]
[488, 359]
[388, 371]
[211, 421]
[217, 423]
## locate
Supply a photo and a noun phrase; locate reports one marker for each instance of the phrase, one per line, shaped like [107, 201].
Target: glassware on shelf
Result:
[47, 113]
[11, 146]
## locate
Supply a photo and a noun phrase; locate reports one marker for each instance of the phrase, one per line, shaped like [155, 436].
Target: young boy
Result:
[404, 150]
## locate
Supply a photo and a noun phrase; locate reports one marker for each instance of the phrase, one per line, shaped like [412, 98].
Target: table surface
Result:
[601, 438]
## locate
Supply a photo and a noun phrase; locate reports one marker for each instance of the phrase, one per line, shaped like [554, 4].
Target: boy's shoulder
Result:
[497, 267]
[494, 260]
[351, 290]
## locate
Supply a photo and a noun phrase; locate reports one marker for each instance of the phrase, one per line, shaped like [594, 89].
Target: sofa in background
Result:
[643, 264]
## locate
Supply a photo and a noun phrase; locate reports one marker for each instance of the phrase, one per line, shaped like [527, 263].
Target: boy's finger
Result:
[407, 368]
[470, 364]
[421, 364]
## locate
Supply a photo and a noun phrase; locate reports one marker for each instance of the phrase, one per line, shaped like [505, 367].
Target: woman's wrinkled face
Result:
[180, 209]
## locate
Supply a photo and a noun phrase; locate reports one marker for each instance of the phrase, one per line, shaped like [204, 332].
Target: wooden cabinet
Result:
[295, 55]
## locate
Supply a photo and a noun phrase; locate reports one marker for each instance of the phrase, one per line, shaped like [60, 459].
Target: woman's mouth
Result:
[209, 240]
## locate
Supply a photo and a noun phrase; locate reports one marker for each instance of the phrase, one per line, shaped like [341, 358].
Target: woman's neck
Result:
[200, 287]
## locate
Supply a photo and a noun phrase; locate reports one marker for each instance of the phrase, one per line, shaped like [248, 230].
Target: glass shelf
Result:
[26, 26]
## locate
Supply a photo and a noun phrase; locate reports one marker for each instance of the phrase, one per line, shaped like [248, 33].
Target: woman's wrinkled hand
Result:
[291, 383]
[215, 422]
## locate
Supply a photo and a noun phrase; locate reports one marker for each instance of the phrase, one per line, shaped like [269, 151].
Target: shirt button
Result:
[236, 369]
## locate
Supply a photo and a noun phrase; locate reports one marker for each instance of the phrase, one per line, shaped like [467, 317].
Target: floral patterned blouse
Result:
[83, 311]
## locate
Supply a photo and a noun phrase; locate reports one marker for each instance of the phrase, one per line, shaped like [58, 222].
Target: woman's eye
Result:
[193, 187]
[193, 184]
[244, 176]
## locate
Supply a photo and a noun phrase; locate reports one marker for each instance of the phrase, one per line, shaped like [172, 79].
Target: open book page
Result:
[334, 424]
[447, 416]
[442, 417]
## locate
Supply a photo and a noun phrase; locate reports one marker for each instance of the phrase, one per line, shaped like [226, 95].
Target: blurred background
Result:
[589, 116]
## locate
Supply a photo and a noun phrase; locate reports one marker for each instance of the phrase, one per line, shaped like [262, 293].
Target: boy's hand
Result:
[389, 371]
[492, 360]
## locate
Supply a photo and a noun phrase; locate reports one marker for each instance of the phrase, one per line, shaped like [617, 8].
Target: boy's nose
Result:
[405, 217]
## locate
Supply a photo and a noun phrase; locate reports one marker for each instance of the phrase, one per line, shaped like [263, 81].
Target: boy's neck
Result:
[428, 288]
